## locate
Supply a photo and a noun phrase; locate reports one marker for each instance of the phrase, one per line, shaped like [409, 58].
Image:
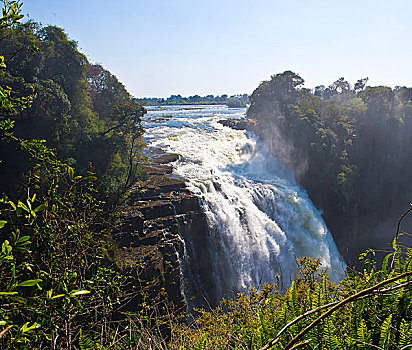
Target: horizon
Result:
[159, 49]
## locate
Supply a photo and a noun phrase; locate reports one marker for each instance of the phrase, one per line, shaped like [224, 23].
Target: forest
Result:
[71, 152]
[240, 100]
[348, 147]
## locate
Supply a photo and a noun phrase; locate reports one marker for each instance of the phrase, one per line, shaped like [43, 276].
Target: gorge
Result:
[194, 222]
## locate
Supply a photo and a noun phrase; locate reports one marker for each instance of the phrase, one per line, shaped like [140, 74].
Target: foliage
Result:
[347, 147]
[61, 283]
[364, 311]
[82, 110]
[59, 279]
[59, 271]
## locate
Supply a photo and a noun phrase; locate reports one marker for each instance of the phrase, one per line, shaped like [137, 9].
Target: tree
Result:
[360, 84]
[82, 110]
[319, 90]
[340, 86]
[275, 95]
[57, 283]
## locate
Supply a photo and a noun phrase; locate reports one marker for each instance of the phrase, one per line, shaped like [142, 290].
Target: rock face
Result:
[163, 230]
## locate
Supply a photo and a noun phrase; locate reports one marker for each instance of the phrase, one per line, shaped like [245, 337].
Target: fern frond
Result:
[386, 332]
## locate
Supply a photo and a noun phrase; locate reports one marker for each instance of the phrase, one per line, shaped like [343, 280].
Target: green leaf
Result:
[58, 296]
[23, 206]
[76, 303]
[29, 283]
[80, 292]
[385, 332]
[6, 248]
[89, 178]
[40, 208]
[2, 223]
[2, 64]
[27, 328]
[8, 293]
[23, 239]
[18, 299]
[70, 172]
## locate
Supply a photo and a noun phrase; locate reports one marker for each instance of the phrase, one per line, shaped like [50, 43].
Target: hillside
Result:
[348, 147]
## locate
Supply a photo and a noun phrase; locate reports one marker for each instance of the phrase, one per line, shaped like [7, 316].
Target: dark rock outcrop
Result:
[163, 233]
[239, 124]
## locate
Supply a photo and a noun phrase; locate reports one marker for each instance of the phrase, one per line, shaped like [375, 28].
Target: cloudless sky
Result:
[187, 47]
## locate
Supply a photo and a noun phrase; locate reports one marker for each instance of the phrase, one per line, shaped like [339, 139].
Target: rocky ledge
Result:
[239, 124]
[161, 215]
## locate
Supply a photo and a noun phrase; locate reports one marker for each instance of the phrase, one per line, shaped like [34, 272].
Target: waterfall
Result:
[258, 217]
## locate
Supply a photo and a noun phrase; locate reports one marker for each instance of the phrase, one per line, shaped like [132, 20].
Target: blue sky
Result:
[187, 47]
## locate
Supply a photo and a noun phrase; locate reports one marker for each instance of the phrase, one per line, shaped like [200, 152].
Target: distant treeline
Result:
[349, 146]
[241, 100]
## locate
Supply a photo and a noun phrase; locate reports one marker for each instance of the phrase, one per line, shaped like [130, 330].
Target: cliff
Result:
[163, 232]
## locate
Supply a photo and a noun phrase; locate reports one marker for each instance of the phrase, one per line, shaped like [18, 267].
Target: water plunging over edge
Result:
[258, 217]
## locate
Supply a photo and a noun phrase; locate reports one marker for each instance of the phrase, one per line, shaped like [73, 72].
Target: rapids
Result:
[258, 217]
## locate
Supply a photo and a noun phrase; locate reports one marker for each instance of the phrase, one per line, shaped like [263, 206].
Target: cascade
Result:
[258, 218]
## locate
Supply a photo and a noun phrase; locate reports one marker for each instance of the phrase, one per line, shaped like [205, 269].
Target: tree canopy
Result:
[81, 109]
[348, 147]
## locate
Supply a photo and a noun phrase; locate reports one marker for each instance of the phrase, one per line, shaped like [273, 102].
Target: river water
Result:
[258, 217]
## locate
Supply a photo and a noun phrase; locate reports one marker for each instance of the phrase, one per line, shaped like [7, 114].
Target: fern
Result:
[86, 343]
[363, 334]
[292, 300]
[385, 333]
[405, 334]
[330, 337]
[201, 344]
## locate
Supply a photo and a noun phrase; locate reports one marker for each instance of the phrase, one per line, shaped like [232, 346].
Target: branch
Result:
[400, 220]
[374, 346]
[397, 232]
[302, 343]
[4, 331]
[296, 320]
[111, 129]
[335, 306]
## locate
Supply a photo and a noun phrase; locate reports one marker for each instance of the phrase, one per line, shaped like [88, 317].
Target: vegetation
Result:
[82, 110]
[371, 310]
[63, 284]
[348, 147]
[232, 101]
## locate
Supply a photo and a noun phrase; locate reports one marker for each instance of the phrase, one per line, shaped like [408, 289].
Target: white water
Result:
[258, 217]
